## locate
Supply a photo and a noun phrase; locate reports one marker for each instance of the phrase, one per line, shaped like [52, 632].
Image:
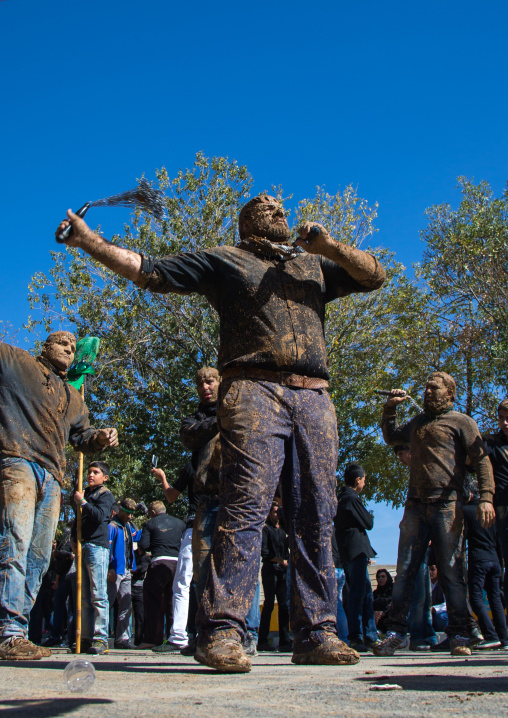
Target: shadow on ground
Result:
[443, 683]
[50, 708]
[120, 666]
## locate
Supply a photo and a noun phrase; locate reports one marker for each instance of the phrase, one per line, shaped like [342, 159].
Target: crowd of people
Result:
[264, 436]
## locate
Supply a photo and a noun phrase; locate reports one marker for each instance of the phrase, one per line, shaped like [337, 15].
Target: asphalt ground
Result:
[142, 683]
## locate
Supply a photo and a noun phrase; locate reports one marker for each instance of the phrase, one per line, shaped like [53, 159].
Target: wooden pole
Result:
[79, 570]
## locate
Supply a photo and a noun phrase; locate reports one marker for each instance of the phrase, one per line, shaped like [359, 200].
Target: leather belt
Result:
[297, 381]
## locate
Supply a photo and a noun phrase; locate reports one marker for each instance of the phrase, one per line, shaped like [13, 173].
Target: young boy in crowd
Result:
[96, 503]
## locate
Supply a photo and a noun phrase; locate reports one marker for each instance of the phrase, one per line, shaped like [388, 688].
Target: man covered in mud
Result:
[39, 414]
[442, 441]
[275, 417]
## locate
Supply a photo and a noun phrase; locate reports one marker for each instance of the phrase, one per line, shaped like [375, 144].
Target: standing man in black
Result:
[275, 557]
[352, 523]
[161, 536]
[497, 450]
[277, 422]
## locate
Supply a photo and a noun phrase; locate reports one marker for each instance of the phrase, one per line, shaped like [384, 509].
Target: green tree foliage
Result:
[465, 266]
[151, 345]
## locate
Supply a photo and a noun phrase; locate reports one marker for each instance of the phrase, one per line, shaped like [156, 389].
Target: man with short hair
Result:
[352, 522]
[161, 536]
[39, 413]
[497, 449]
[276, 420]
[122, 561]
[441, 441]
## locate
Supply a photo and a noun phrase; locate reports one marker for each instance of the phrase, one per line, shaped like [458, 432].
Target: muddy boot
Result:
[224, 654]
[332, 652]
[16, 648]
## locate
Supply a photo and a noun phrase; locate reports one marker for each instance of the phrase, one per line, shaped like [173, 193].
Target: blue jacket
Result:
[117, 545]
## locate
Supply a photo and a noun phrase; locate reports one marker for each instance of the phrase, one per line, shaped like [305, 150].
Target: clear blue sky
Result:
[397, 98]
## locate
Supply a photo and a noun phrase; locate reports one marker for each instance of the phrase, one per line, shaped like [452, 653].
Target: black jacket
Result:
[497, 450]
[162, 536]
[274, 545]
[351, 525]
[482, 544]
[200, 434]
[96, 514]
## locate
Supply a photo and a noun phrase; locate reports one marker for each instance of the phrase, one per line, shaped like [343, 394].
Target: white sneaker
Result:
[393, 642]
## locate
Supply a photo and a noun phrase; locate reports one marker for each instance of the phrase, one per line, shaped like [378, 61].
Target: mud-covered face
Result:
[59, 349]
[502, 420]
[267, 220]
[208, 388]
[436, 397]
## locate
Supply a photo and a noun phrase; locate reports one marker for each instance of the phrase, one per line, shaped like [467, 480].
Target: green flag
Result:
[86, 351]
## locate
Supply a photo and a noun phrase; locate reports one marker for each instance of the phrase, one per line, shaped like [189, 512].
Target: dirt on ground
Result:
[142, 683]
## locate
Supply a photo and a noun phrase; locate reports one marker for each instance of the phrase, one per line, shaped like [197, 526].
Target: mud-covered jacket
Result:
[200, 434]
[440, 446]
[96, 514]
[497, 450]
[40, 412]
[271, 311]
[351, 525]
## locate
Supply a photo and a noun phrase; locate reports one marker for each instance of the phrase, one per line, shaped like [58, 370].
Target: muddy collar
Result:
[52, 368]
[270, 250]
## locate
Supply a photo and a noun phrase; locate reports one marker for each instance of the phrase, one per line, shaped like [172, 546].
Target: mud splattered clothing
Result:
[271, 312]
[40, 412]
[433, 511]
[440, 446]
[271, 318]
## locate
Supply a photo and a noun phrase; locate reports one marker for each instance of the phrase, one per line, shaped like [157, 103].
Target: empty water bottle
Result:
[79, 675]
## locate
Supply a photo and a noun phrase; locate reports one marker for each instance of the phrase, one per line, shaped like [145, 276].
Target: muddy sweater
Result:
[40, 412]
[271, 311]
[440, 446]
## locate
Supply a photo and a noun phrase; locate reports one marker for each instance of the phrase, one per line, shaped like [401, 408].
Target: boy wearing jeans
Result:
[96, 503]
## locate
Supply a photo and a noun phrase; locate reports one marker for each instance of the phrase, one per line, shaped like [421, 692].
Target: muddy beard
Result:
[278, 233]
[436, 407]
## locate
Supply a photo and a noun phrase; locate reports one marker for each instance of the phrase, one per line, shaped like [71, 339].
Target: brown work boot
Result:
[16, 648]
[224, 654]
[332, 652]
[460, 646]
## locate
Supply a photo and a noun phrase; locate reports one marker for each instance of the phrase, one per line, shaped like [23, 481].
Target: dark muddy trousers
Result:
[271, 432]
[442, 522]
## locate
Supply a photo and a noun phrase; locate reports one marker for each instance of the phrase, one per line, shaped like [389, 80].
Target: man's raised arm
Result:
[121, 261]
[360, 265]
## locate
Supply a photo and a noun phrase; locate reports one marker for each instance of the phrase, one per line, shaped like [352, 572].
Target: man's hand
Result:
[318, 243]
[107, 437]
[159, 475]
[111, 575]
[78, 497]
[81, 235]
[485, 514]
[396, 397]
